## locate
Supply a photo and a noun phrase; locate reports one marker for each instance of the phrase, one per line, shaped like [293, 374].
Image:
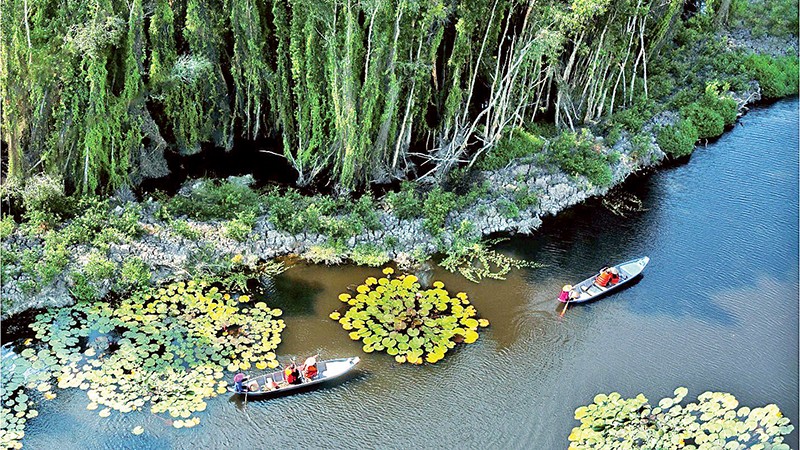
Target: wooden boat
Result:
[627, 271]
[326, 370]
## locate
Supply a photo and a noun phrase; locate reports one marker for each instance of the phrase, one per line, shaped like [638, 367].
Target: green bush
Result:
[634, 117]
[55, 258]
[679, 139]
[707, 121]
[215, 201]
[134, 275]
[369, 255]
[98, 267]
[516, 144]
[613, 135]
[476, 192]
[82, 288]
[405, 203]
[436, 207]
[724, 105]
[284, 210]
[508, 209]
[185, 229]
[7, 227]
[44, 200]
[241, 226]
[365, 211]
[778, 77]
[578, 155]
[524, 198]
[640, 145]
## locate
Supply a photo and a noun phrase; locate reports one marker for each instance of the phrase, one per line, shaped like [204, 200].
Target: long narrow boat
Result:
[326, 370]
[589, 290]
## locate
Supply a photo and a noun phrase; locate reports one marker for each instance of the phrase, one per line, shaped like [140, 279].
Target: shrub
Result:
[405, 203]
[524, 198]
[127, 222]
[98, 267]
[241, 226]
[44, 200]
[679, 139]
[614, 134]
[215, 200]
[722, 104]
[7, 227]
[777, 77]
[365, 210]
[54, 258]
[369, 255]
[580, 156]
[634, 117]
[640, 145]
[707, 121]
[437, 206]
[185, 229]
[82, 288]
[284, 210]
[329, 253]
[516, 144]
[508, 208]
[478, 191]
[135, 274]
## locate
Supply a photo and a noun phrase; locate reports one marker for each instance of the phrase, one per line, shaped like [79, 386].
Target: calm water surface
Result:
[717, 309]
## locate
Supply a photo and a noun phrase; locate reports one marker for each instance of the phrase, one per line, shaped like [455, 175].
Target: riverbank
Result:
[117, 244]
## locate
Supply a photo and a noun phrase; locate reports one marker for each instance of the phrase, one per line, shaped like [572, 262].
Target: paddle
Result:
[566, 305]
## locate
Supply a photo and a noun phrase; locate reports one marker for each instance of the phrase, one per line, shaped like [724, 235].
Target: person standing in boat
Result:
[238, 382]
[565, 293]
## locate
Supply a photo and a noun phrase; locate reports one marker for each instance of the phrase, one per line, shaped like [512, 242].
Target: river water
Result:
[717, 309]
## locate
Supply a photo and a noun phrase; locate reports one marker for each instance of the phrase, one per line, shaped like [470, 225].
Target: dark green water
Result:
[717, 309]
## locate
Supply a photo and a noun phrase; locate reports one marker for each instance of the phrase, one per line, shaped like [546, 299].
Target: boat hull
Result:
[331, 369]
[629, 271]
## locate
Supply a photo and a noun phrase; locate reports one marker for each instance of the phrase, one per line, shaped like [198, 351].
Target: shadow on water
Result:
[293, 296]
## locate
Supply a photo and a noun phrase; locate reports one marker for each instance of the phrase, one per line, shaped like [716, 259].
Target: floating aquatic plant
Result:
[18, 373]
[478, 260]
[412, 324]
[713, 422]
[167, 347]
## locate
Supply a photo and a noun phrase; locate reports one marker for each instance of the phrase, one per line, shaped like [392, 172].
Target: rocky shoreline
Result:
[169, 255]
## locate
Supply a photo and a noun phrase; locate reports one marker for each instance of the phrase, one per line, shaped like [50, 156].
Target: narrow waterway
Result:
[717, 309]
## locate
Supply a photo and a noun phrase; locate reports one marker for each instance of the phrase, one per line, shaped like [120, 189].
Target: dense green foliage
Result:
[516, 144]
[708, 122]
[97, 90]
[215, 200]
[777, 76]
[679, 139]
[713, 422]
[579, 154]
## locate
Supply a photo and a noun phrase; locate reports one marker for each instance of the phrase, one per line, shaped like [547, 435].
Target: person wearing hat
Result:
[238, 382]
[614, 275]
[309, 367]
[565, 295]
